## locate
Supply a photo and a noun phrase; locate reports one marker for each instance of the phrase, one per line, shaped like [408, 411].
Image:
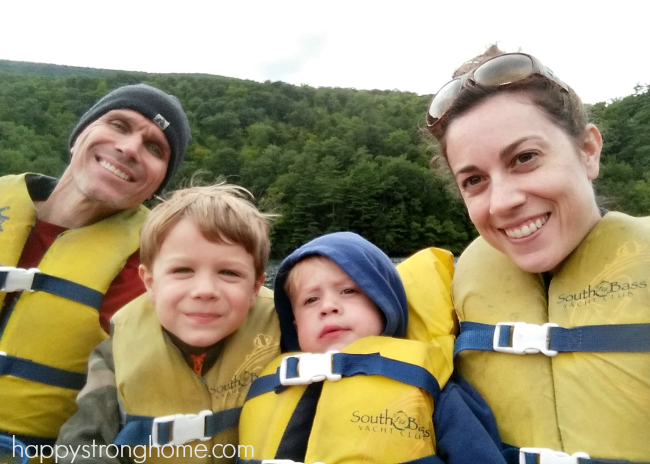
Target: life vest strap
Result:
[176, 429]
[36, 372]
[549, 456]
[425, 460]
[13, 279]
[306, 368]
[347, 365]
[550, 339]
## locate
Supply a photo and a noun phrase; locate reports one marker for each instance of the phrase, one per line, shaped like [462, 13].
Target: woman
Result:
[552, 277]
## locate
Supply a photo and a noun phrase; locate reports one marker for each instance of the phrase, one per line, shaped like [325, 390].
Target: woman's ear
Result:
[591, 146]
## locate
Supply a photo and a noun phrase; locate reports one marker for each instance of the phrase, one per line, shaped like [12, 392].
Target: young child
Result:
[187, 352]
[375, 400]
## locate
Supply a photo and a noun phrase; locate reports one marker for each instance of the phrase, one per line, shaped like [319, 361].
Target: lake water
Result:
[273, 265]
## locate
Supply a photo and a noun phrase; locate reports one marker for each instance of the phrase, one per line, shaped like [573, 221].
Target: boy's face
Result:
[330, 309]
[202, 290]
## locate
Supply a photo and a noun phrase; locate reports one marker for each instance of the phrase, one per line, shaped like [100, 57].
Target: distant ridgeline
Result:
[323, 159]
[52, 70]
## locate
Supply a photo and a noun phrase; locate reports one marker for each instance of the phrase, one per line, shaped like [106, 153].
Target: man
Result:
[82, 233]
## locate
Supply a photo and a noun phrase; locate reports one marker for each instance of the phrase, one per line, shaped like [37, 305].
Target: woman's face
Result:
[525, 182]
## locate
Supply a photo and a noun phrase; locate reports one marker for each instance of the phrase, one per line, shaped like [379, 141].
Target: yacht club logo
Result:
[391, 423]
[3, 218]
[239, 381]
[604, 291]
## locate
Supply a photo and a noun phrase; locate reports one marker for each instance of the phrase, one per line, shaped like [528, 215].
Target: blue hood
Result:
[366, 264]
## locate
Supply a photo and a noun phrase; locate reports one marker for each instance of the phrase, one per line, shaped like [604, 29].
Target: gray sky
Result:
[599, 47]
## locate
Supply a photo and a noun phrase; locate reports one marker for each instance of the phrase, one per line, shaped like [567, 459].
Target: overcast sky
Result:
[599, 47]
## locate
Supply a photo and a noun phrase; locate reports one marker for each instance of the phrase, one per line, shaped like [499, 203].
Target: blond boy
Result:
[180, 360]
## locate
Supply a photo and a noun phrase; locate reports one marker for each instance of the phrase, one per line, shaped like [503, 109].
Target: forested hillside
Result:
[324, 159]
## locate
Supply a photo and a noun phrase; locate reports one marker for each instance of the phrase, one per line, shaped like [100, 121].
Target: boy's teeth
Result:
[106, 165]
[526, 230]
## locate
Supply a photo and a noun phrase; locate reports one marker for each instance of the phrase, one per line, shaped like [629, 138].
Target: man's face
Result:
[119, 160]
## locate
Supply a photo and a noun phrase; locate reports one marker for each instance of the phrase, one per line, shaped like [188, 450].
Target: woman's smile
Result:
[528, 228]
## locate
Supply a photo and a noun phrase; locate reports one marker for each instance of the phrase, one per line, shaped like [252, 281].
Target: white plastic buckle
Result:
[312, 367]
[185, 428]
[18, 279]
[526, 338]
[549, 456]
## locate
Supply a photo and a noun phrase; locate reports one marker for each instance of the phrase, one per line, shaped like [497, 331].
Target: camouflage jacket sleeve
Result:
[97, 421]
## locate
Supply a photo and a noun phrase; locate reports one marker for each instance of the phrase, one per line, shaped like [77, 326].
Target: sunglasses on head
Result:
[499, 71]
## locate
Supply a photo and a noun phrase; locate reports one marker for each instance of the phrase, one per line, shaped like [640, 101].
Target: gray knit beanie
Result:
[163, 109]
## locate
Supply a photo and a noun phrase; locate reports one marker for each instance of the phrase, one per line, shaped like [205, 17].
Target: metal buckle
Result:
[549, 456]
[185, 428]
[526, 338]
[18, 279]
[312, 367]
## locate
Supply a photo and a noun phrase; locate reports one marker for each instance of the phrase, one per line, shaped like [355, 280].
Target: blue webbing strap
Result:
[30, 370]
[375, 364]
[264, 384]
[348, 365]
[588, 338]
[138, 429]
[68, 289]
[63, 288]
[425, 460]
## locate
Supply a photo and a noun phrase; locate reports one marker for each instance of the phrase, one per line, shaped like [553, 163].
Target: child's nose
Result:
[330, 306]
[205, 286]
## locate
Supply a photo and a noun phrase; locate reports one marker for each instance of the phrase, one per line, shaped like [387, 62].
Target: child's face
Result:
[330, 309]
[202, 290]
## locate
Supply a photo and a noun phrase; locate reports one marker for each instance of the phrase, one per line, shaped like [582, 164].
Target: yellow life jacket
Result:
[574, 401]
[153, 380]
[369, 418]
[51, 335]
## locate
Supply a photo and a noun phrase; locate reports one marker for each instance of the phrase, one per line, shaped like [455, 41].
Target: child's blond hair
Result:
[297, 271]
[222, 213]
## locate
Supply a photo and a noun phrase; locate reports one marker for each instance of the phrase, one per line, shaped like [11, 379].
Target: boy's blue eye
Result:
[181, 270]
[348, 291]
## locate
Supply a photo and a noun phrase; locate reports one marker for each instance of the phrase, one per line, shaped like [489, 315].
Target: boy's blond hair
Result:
[222, 213]
[290, 286]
